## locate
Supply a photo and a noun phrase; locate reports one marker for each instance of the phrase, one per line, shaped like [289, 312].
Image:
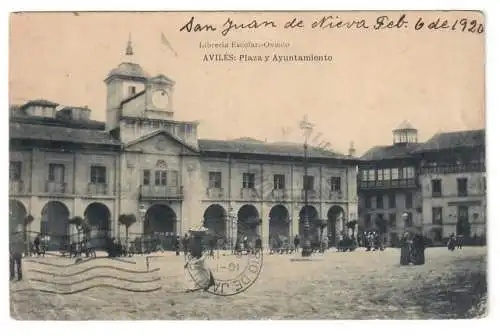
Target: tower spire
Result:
[130, 50]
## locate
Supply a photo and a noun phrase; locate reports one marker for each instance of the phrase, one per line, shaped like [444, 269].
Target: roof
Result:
[26, 131]
[290, 149]
[40, 102]
[128, 69]
[58, 121]
[450, 140]
[397, 151]
[162, 79]
[405, 125]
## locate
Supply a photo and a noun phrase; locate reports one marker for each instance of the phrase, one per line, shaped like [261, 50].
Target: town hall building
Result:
[144, 161]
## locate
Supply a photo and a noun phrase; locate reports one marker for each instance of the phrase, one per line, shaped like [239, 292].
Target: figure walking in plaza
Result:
[418, 255]
[185, 243]
[405, 250]
[16, 249]
[177, 245]
[296, 242]
[200, 273]
[452, 242]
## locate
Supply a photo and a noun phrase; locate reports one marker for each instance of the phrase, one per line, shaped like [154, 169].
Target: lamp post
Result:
[306, 247]
[142, 215]
[232, 228]
[405, 216]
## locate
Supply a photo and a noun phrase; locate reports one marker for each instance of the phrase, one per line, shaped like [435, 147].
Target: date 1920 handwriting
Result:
[380, 23]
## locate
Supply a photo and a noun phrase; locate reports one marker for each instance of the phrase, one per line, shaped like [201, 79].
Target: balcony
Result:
[17, 187]
[335, 195]
[279, 194]
[97, 189]
[215, 193]
[249, 194]
[54, 188]
[454, 169]
[311, 195]
[161, 192]
[388, 184]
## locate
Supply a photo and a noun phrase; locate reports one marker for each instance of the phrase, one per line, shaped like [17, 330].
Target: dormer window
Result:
[405, 134]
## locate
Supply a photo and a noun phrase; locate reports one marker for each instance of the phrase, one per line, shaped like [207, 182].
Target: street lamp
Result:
[232, 228]
[142, 215]
[306, 246]
[405, 216]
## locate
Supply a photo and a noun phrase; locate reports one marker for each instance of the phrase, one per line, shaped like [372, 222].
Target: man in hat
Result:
[16, 250]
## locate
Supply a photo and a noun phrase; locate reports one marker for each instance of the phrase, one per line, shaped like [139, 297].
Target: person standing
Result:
[177, 245]
[405, 250]
[185, 243]
[36, 243]
[296, 242]
[16, 250]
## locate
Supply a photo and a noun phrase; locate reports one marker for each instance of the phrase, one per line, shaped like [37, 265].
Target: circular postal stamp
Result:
[231, 273]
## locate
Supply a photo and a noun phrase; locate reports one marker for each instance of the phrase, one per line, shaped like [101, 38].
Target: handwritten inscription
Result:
[331, 22]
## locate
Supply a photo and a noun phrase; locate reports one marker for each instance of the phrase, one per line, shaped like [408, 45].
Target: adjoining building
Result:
[142, 161]
[440, 184]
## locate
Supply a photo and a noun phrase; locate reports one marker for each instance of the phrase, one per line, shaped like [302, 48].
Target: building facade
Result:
[143, 161]
[439, 184]
[388, 184]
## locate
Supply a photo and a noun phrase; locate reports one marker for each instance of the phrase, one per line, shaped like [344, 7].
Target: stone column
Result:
[265, 233]
[339, 226]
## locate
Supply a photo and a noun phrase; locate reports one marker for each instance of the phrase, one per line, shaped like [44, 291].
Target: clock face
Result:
[160, 99]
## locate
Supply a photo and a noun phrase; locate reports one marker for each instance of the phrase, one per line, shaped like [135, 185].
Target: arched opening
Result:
[54, 226]
[214, 219]
[248, 221]
[17, 214]
[99, 218]
[311, 214]
[335, 217]
[279, 224]
[160, 227]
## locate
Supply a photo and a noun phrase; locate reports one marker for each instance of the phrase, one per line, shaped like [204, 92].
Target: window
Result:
[409, 221]
[279, 181]
[368, 201]
[215, 180]
[408, 173]
[380, 174]
[387, 174]
[437, 215]
[392, 201]
[131, 91]
[380, 201]
[371, 175]
[436, 188]
[364, 175]
[97, 174]
[462, 186]
[395, 173]
[161, 177]
[373, 201]
[248, 180]
[392, 219]
[335, 183]
[308, 183]
[146, 177]
[409, 201]
[15, 171]
[56, 172]
[368, 220]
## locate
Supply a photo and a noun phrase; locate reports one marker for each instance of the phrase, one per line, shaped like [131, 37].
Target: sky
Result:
[434, 79]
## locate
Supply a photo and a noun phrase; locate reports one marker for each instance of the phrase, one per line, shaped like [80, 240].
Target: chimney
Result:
[352, 150]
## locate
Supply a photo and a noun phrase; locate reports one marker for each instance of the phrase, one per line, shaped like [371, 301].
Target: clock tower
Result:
[159, 93]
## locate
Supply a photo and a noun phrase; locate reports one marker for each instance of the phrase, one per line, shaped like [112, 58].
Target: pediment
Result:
[160, 142]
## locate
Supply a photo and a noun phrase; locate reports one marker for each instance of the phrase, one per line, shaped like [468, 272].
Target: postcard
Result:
[247, 165]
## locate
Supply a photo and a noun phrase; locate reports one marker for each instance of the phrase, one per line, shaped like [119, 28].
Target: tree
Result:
[26, 222]
[321, 224]
[127, 220]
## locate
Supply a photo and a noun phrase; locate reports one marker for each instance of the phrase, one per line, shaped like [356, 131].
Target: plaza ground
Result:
[357, 285]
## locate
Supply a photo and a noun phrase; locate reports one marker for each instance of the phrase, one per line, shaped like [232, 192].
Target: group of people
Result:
[455, 242]
[412, 249]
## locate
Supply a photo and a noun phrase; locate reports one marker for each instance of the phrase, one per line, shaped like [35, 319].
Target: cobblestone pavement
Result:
[357, 285]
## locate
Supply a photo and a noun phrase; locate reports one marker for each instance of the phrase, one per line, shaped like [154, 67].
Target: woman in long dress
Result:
[405, 249]
[200, 273]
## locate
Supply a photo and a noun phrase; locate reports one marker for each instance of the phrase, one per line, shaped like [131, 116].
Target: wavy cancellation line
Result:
[104, 267]
[86, 289]
[34, 261]
[96, 277]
